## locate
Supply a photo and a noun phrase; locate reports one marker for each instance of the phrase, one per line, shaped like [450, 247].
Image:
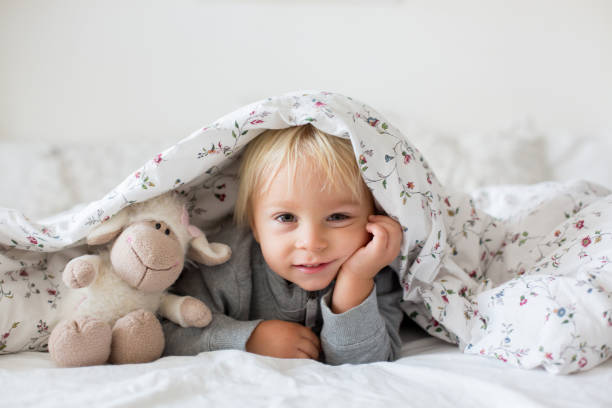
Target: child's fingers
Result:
[309, 335]
[387, 238]
[388, 222]
[300, 354]
[393, 228]
[381, 237]
[307, 347]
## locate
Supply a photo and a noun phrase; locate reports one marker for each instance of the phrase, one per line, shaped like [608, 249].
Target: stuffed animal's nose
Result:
[156, 251]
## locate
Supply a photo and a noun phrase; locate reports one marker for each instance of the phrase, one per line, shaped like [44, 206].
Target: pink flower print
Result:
[5, 335]
[548, 356]
[447, 201]
[555, 261]
[445, 298]
[579, 224]
[410, 185]
[158, 159]
[319, 103]
[256, 122]
[557, 233]
[137, 174]
[252, 113]
[582, 362]
[473, 274]
[362, 159]
[32, 240]
[221, 197]
[407, 158]
[52, 292]
[523, 300]
[586, 241]
[482, 351]
[429, 178]
[42, 327]
[437, 246]
[23, 273]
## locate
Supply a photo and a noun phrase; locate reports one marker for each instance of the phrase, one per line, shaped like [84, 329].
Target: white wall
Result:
[118, 69]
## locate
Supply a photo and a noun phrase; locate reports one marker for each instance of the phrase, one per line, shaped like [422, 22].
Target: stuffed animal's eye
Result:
[157, 226]
[167, 231]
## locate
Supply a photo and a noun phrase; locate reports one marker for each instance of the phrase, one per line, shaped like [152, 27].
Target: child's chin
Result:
[313, 286]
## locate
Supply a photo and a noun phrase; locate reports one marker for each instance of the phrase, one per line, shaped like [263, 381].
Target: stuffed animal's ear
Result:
[108, 230]
[212, 253]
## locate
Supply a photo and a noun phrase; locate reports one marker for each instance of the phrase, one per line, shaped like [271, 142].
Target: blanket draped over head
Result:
[530, 290]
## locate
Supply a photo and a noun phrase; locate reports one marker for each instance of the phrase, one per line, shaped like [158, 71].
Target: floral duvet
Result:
[530, 289]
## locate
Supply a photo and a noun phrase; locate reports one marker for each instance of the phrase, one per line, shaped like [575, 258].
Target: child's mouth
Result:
[311, 268]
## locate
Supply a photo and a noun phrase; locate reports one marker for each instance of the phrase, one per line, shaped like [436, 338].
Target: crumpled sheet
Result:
[532, 290]
[431, 373]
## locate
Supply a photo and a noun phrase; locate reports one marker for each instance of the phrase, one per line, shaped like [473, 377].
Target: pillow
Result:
[32, 179]
[41, 179]
[464, 162]
[582, 156]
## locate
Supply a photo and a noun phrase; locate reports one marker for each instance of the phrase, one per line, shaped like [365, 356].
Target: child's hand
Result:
[384, 247]
[355, 279]
[277, 338]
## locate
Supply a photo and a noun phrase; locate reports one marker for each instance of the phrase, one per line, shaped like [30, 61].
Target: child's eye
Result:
[285, 218]
[338, 217]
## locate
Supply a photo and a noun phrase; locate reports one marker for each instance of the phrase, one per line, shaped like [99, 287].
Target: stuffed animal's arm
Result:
[185, 311]
[81, 271]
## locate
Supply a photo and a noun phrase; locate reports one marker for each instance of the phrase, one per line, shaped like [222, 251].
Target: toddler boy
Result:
[308, 278]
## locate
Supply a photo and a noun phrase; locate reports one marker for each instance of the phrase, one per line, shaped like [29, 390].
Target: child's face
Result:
[307, 233]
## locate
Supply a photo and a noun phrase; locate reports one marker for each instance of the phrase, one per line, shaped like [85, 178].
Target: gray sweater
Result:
[244, 291]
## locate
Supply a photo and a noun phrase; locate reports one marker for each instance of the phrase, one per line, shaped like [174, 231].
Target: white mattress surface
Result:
[431, 373]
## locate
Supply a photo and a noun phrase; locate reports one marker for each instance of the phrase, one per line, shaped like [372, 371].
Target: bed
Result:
[430, 371]
[83, 106]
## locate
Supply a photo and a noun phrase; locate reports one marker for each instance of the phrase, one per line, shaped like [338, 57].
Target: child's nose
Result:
[311, 238]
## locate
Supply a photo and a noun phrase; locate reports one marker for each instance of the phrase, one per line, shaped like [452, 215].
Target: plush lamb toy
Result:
[109, 313]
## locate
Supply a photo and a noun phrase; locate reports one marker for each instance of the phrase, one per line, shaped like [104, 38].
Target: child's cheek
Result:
[366, 237]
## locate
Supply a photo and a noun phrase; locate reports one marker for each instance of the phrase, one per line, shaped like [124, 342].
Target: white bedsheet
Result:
[431, 373]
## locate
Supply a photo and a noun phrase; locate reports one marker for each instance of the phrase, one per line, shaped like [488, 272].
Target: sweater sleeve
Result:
[226, 290]
[368, 332]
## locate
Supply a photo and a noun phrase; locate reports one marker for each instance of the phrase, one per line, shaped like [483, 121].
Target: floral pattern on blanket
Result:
[532, 289]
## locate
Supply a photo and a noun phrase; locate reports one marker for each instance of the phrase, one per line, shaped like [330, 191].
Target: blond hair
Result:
[326, 155]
